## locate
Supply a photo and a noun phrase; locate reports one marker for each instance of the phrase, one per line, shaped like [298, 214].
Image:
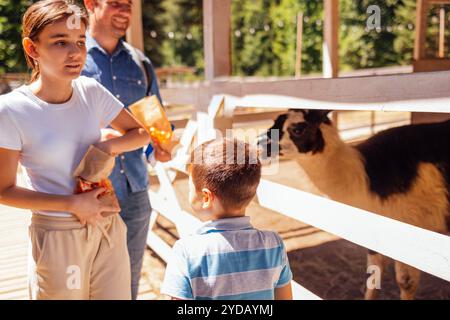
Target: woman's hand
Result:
[88, 208]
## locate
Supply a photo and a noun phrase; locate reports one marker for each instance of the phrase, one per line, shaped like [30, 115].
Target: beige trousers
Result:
[70, 261]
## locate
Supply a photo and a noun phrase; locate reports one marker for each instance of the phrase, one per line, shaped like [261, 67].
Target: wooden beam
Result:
[421, 28]
[298, 62]
[441, 32]
[419, 105]
[426, 117]
[439, 1]
[255, 117]
[135, 33]
[331, 39]
[217, 38]
[159, 246]
[431, 64]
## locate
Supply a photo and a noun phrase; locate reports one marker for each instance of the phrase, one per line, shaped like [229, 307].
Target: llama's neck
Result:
[338, 171]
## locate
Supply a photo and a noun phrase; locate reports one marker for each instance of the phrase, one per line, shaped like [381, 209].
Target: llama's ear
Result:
[324, 114]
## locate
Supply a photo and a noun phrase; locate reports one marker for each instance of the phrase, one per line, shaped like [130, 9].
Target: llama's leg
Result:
[375, 266]
[408, 279]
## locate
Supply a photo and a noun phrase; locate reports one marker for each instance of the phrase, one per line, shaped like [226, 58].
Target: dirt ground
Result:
[330, 267]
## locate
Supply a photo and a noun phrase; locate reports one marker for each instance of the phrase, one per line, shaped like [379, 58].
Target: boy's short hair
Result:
[229, 168]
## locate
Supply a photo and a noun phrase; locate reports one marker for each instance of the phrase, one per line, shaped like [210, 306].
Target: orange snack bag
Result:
[86, 186]
[93, 172]
[151, 114]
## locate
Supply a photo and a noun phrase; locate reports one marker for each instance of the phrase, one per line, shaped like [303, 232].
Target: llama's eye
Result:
[298, 130]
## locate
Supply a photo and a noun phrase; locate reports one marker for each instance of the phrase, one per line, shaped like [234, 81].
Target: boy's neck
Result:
[229, 216]
[222, 214]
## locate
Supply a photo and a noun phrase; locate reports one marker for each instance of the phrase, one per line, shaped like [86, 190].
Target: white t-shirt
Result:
[53, 138]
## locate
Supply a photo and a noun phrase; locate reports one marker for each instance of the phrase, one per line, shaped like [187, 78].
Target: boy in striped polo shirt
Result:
[227, 258]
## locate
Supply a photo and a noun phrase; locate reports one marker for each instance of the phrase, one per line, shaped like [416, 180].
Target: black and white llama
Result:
[402, 173]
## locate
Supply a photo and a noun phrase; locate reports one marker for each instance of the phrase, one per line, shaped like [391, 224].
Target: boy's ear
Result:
[207, 198]
[30, 48]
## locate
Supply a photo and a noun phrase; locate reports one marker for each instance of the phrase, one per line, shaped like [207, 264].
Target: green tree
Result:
[389, 45]
[12, 58]
[180, 41]
[265, 32]
[153, 22]
[252, 54]
[405, 15]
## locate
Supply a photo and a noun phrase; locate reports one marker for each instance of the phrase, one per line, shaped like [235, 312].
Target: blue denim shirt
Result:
[124, 78]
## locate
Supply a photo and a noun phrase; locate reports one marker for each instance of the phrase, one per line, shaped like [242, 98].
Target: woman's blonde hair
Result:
[41, 14]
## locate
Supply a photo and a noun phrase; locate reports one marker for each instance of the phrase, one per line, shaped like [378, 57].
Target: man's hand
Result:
[161, 155]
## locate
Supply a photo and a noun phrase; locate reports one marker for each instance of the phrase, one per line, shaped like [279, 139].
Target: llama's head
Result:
[296, 132]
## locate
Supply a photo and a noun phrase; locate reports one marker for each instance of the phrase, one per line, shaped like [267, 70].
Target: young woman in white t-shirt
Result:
[47, 126]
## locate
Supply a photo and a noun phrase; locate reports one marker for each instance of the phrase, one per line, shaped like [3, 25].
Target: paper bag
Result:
[151, 114]
[93, 172]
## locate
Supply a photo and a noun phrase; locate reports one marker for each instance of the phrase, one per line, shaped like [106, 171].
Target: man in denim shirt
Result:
[120, 68]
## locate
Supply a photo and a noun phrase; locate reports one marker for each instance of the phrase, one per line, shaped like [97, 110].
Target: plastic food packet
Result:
[93, 172]
[151, 114]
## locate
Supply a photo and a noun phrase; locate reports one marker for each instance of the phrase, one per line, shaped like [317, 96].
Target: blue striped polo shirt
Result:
[227, 259]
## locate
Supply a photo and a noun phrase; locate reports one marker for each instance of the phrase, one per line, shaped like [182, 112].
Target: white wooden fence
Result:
[426, 91]
[423, 249]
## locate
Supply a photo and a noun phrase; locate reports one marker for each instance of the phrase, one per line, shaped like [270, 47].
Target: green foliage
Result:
[174, 32]
[153, 23]
[265, 33]
[360, 48]
[405, 15]
[11, 54]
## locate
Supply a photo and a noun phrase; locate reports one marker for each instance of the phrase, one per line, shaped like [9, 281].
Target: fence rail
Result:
[415, 92]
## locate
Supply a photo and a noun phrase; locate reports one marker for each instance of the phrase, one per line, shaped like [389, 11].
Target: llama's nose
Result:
[263, 139]
[264, 145]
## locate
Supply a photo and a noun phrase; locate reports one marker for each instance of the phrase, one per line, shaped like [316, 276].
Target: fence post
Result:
[298, 62]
